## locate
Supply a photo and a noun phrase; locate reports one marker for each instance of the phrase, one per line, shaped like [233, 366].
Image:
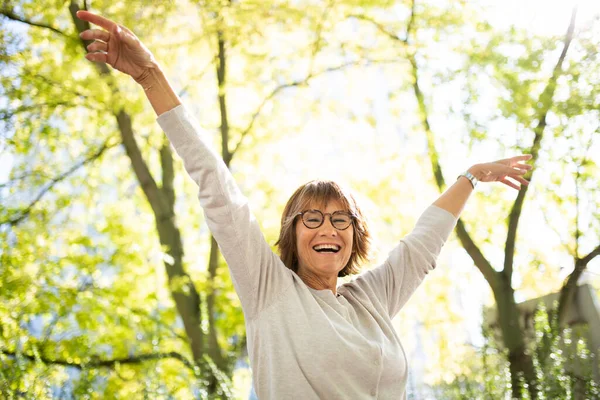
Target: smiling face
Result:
[323, 252]
[326, 196]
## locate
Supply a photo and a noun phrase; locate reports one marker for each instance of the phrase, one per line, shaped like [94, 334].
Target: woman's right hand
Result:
[116, 46]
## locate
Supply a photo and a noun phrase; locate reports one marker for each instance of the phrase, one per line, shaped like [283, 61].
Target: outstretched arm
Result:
[118, 47]
[407, 265]
[455, 197]
[258, 275]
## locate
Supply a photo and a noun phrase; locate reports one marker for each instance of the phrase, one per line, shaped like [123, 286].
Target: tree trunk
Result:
[161, 200]
[567, 293]
[213, 350]
[522, 373]
[521, 363]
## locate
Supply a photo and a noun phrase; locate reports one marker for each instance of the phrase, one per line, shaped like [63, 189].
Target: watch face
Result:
[471, 178]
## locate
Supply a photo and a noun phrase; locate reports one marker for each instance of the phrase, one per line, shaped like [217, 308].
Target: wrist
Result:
[477, 172]
[151, 77]
[158, 89]
[468, 175]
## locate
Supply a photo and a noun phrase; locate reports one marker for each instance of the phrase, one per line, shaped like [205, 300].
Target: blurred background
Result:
[98, 300]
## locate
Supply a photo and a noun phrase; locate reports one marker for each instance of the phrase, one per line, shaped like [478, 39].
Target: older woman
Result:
[308, 338]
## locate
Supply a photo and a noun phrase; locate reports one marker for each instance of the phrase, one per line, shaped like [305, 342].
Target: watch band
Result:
[470, 177]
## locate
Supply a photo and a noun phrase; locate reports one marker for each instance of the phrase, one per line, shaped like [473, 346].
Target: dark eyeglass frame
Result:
[323, 215]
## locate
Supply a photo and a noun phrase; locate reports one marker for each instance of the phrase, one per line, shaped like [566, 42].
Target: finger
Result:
[95, 34]
[522, 157]
[97, 57]
[521, 180]
[96, 19]
[507, 170]
[524, 166]
[98, 46]
[509, 183]
[511, 160]
[519, 169]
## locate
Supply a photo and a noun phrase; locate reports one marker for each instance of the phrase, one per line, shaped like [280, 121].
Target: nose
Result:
[327, 228]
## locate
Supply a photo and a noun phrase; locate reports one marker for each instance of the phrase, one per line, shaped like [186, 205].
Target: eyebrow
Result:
[318, 209]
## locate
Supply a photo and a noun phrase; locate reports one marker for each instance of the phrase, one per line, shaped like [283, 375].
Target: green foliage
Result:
[562, 360]
[82, 272]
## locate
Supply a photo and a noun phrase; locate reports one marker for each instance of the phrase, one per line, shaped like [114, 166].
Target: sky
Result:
[546, 17]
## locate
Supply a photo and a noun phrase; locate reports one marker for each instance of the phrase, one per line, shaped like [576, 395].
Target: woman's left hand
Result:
[501, 170]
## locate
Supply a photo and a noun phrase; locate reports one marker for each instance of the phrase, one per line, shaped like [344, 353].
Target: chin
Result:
[332, 268]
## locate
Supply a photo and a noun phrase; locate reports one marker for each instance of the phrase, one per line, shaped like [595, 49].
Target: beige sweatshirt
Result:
[305, 343]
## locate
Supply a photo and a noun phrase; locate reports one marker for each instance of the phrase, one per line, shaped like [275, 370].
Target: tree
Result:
[554, 356]
[111, 214]
[101, 241]
[527, 96]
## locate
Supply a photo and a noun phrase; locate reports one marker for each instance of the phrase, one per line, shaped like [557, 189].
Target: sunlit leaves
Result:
[562, 362]
[83, 275]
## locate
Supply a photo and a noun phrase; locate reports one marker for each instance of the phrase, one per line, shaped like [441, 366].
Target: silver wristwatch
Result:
[470, 177]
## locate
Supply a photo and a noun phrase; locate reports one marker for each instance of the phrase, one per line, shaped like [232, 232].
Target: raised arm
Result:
[257, 273]
[118, 47]
[455, 197]
[411, 260]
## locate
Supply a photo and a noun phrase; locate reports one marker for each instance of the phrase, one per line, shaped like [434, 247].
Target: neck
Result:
[319, 282]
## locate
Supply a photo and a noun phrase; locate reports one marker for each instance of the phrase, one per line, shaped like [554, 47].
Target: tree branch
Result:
[23, 177]
[6, 114]
[546, 101]
[14, 17]
[467, 242]
[222, 82]
[185, 295]
[567, 292]
[384, 30]
[411, 22]
[96, 362]
[16, 220]
[213, 350]
[143, 313]
[484, 266]
[586, 260]
[81, 26]
[319, 35]
[153, 194]
[168, 174]
[195, 78]
[297, 83]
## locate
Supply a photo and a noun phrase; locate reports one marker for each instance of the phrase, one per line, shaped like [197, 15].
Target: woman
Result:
[307, 337]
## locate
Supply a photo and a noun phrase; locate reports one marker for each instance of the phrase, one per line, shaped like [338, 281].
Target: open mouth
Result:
[326, 248]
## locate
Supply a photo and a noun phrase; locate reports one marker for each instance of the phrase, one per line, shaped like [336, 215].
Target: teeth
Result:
[327, 247]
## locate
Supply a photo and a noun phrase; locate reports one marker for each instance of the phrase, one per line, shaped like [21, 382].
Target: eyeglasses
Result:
[313, 219]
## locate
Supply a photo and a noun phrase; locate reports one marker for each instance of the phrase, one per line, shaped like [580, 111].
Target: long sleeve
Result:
[258, 274]
[398, 277]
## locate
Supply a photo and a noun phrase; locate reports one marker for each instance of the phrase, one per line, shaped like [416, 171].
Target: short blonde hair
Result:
[317, 194]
